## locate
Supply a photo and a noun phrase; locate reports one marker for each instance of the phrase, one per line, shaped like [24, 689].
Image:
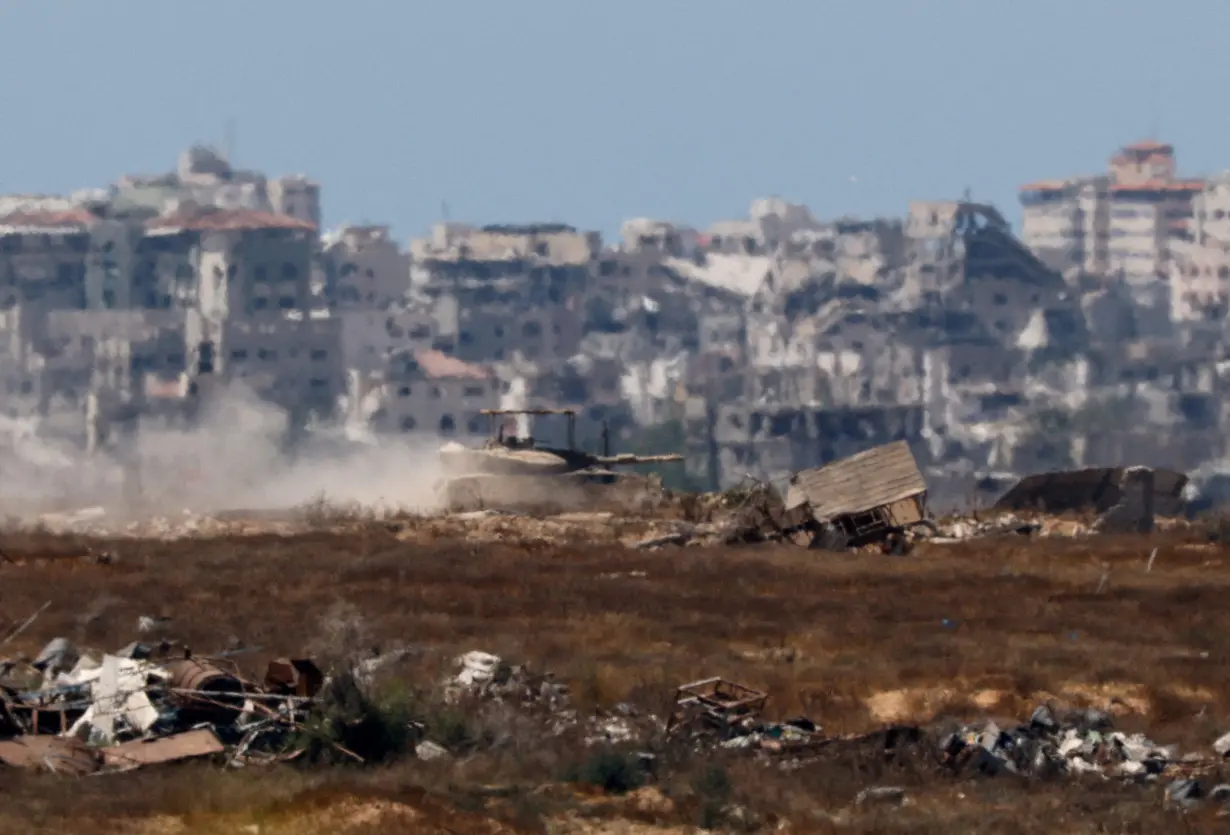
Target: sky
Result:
[593, 111]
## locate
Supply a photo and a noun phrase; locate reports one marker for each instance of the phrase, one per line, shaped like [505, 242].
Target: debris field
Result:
[988, 667]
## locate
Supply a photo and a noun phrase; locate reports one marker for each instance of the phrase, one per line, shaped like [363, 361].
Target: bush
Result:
[713, 788]
[614, 772]
[345, 716]
[1216, 527]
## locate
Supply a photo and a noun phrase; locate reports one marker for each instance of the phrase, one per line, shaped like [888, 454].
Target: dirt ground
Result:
[975, 629]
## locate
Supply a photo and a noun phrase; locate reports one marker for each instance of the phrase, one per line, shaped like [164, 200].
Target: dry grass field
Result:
[982, 628]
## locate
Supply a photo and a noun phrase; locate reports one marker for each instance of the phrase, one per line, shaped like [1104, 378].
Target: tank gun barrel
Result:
[629, 458]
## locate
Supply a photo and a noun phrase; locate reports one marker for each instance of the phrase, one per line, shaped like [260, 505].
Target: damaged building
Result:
[423, 392]
[772, 343]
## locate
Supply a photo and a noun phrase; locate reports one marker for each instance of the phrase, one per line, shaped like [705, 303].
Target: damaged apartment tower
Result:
[151, 297]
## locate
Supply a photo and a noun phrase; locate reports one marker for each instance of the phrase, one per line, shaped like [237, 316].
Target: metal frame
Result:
[492, 414]
[718, 702]
[873, 524]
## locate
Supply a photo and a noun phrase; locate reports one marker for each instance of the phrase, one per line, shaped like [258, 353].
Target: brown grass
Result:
[980, 628]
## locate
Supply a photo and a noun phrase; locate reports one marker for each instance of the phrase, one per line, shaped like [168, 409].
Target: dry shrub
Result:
[344, 638]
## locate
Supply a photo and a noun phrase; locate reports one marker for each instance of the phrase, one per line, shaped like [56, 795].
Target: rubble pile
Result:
[486, 676]
[976, 526]
[71, 714]
[720, 715]
[483, 677]
[68, 712]
[874, 500]
[1052, 743]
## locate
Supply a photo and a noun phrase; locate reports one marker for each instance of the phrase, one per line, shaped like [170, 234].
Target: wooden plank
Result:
[873, 478]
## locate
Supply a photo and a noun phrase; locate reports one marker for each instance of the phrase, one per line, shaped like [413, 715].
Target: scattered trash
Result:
[1078, 742]
[428, 751]
[149, 705]
[881, 796]
[141, 706]
[486, 676]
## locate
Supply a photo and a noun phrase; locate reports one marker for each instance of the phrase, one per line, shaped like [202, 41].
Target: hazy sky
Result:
[592, 111]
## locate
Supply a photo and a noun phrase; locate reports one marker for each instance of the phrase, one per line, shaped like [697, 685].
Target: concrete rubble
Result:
[1054, 743]
[484, 679]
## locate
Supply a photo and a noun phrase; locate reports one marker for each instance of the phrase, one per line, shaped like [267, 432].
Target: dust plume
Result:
[234, 457]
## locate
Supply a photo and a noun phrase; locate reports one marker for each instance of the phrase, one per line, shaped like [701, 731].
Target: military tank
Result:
[511, 472]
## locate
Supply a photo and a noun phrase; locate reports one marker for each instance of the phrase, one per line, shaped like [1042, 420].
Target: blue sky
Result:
[591, 111]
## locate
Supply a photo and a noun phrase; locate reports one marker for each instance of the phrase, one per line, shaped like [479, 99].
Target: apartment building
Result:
[364, 268]
[205, 177]
[1200, 273]
[1124, 223]
[424, 391]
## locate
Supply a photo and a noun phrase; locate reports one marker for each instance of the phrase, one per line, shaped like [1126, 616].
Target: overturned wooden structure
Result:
[868, 497]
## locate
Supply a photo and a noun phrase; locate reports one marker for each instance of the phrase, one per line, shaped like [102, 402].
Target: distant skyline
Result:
[593, 112]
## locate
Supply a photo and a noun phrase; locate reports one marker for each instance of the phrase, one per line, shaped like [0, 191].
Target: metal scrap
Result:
[128, 710]
[294, 677]
[205, 693]
[715, 706]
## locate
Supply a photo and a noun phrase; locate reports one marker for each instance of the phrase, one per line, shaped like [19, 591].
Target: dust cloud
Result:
[233, 458]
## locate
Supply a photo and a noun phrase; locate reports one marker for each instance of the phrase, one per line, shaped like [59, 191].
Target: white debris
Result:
[428, 751]
[477, 668]
[117, 691]
[610, 731]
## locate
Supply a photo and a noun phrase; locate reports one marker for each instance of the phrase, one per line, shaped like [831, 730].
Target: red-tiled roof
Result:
[1045, 185]
[1161, 185]
[227, 220]
[440, 365]
[49, 219]
[163, 388]
[1149, 146]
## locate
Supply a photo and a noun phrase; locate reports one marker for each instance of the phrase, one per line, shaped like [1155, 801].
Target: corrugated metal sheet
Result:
[870, 479]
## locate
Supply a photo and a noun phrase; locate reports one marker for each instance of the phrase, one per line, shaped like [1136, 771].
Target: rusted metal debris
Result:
[205, 693]
[78, 715]
[294, 677]
[715, 705]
